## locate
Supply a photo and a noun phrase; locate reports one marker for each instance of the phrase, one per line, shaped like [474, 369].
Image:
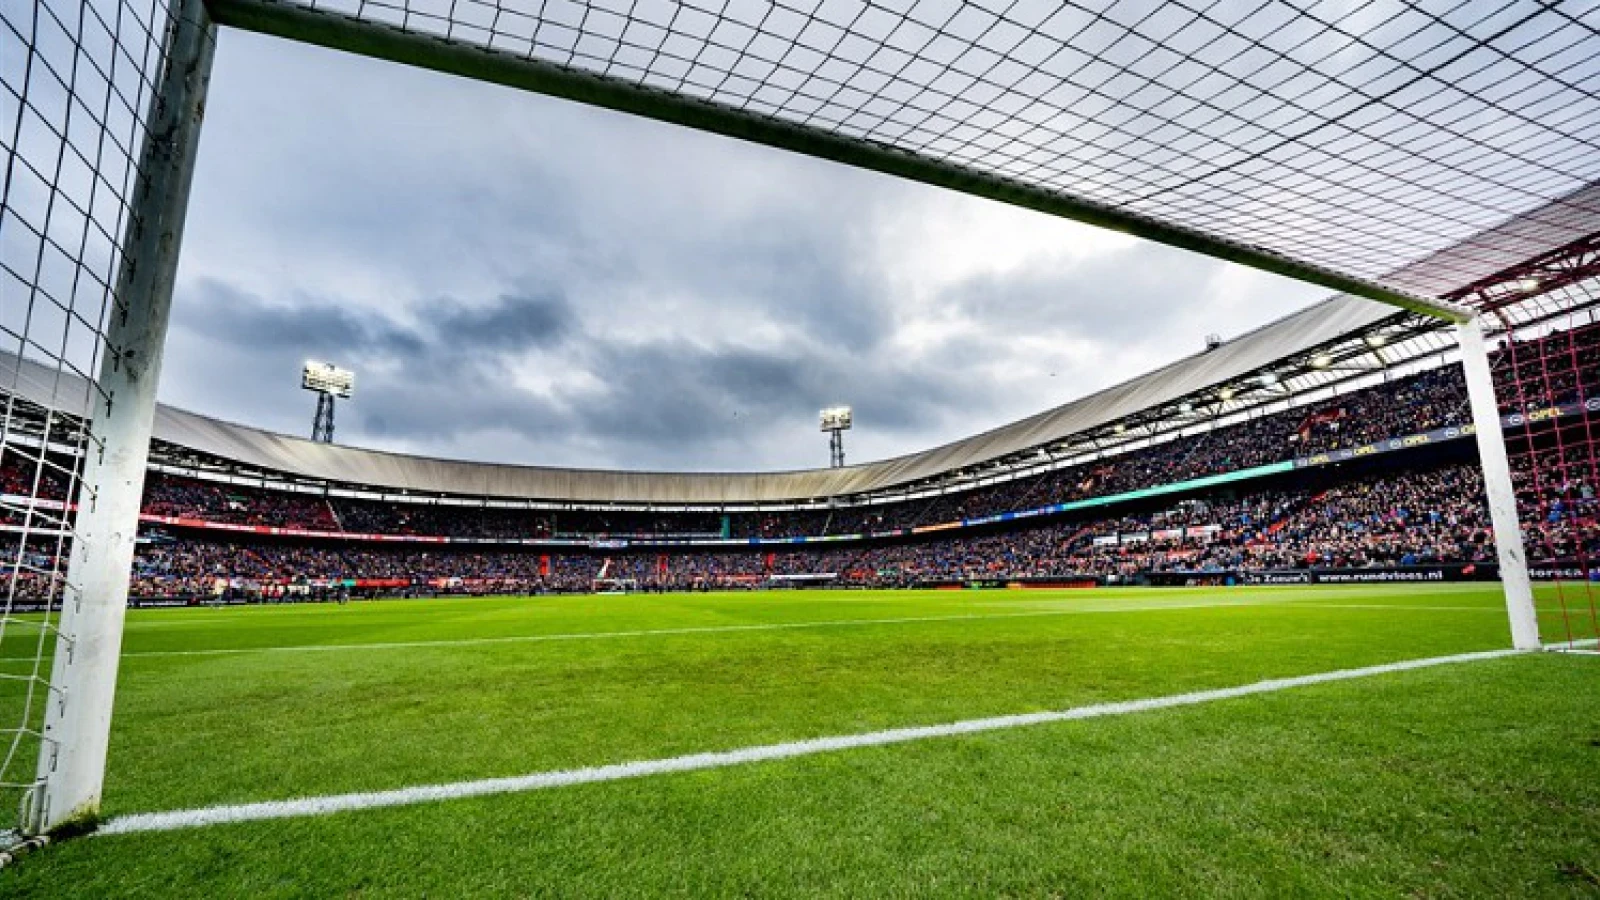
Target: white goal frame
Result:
[82, 686]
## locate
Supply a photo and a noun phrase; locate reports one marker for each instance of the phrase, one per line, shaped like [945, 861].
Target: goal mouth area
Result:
[616, 586]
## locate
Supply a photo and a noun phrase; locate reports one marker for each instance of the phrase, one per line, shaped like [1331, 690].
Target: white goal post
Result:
[1498, 488]
[77, 723]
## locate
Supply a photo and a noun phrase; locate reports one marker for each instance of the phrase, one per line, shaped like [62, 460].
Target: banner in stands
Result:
[1091, 502]
[709, 539]
[1038, 582]
[1441, 435]
[1376, 575]
[1436, 436]
[1562, 571]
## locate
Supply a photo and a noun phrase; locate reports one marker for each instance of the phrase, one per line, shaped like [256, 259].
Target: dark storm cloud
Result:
[511, 323]
[221, 313]
[670, 393]
[451, 377]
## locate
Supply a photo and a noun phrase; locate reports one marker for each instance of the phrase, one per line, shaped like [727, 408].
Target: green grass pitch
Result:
[1478, 779]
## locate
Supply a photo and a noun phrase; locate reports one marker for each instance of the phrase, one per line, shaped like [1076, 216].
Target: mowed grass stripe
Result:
[775, 626]
[364, 621]
[328, 805]
[194, 731]
[1455, 781]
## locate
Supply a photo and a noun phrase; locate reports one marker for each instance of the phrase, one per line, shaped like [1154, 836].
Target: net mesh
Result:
[75, 83]
[1548, 381]
[1360, 136]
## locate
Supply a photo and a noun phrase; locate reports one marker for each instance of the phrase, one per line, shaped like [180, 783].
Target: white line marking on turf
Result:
[336, 803]
[1577, 645]
[594, 635]
[759, 626]
[1401, 606]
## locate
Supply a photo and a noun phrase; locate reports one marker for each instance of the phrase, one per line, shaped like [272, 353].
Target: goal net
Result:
[81, 329]
[1547, 374]
[100, 108]
[609, 580]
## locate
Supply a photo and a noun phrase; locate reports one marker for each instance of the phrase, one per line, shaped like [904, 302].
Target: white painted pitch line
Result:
[1399, 606]
[594, 635]
[760, 626]
[1577, 645]
[337, 803]
[763, 626]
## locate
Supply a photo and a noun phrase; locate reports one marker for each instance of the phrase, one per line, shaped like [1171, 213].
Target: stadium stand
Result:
[1411, 405]
[1422, 508]
[1408, 518]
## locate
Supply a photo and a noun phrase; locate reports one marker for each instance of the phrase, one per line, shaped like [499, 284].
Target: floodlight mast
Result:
[328, 382]
[836, 420]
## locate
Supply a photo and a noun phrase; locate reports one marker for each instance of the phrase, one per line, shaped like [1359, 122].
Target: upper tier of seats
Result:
[1409, 405]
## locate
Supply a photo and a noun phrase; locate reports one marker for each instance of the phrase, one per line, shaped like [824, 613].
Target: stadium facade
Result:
[1529, 270]
[1291, 372]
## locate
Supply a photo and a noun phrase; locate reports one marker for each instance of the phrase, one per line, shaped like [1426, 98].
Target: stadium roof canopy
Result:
[298, 456]
[1283, 347]
[1336, 141]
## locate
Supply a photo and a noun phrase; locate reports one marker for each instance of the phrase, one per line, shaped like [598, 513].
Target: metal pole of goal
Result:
[83, 676]
[1497, 486]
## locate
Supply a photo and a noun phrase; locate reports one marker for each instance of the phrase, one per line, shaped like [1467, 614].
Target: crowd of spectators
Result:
[1402, 517]
[1405, 406]
[1407, 518]
[182, 567]
[1416, 517]
[23, 474]
[365, 517]
[167, 495]
[1413, 404]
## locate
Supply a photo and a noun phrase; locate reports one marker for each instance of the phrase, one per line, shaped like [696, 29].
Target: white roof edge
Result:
[388, 470]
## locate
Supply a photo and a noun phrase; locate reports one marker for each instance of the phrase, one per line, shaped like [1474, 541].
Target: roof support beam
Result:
[291, 20]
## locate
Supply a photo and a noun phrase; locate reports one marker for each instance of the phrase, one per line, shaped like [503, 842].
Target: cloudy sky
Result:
[522, 279]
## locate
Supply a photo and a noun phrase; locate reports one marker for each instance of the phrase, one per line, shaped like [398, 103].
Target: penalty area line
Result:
[338, 803]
